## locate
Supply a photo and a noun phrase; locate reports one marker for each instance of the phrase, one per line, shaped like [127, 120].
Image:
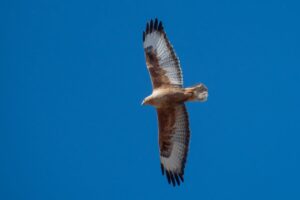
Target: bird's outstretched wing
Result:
[174, 136]
[161, 60]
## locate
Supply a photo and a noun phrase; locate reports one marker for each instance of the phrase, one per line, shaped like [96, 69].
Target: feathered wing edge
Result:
[174, 137]
[161, 59]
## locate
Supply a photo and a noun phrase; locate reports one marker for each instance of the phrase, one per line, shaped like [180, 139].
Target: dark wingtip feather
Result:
[162, 169]
[177, 179]
[143, 36]
[155, 24]
[147, 28]
[172, 179]
[160, 26]
[181, 177]
[151, 26]
[168, 176]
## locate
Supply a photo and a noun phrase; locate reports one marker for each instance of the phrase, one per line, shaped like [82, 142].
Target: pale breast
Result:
[168, 96]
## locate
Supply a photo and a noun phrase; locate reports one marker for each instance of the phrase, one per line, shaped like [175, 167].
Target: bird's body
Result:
[169, 97]
[164, 97]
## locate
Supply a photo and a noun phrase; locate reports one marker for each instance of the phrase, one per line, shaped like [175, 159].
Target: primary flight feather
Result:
[169, 97]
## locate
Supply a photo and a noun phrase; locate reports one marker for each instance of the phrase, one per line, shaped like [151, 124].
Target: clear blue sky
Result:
[73, 75]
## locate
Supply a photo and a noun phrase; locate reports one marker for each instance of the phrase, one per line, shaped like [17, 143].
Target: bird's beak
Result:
[143, 103]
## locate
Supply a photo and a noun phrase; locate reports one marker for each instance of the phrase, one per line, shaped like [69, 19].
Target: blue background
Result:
[73, 75]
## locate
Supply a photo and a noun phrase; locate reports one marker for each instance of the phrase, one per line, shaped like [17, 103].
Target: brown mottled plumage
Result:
[168, 97]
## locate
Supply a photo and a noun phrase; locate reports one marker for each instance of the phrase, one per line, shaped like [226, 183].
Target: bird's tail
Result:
[197, 93]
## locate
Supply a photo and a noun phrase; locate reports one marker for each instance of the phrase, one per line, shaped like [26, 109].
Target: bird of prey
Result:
[169, 97]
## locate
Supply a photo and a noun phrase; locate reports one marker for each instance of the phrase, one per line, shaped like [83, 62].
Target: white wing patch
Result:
[167, 59]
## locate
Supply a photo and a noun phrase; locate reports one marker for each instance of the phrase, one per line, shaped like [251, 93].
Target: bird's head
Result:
[146, 101]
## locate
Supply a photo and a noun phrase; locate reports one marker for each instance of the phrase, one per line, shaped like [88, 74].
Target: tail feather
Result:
[197, 93]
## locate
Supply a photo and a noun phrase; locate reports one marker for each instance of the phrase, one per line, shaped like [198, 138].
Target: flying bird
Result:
[169, 97]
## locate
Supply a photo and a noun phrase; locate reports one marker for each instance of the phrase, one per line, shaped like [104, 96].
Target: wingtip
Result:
[160, 26]
[162, 169]
[168, 177]
[153, 25]
[147, 28]
[181, 177]
[173, 178]
[143, 36]
[177, 179]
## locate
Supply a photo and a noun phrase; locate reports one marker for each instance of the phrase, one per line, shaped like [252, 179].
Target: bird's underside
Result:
[169, 97]
[172, 96]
